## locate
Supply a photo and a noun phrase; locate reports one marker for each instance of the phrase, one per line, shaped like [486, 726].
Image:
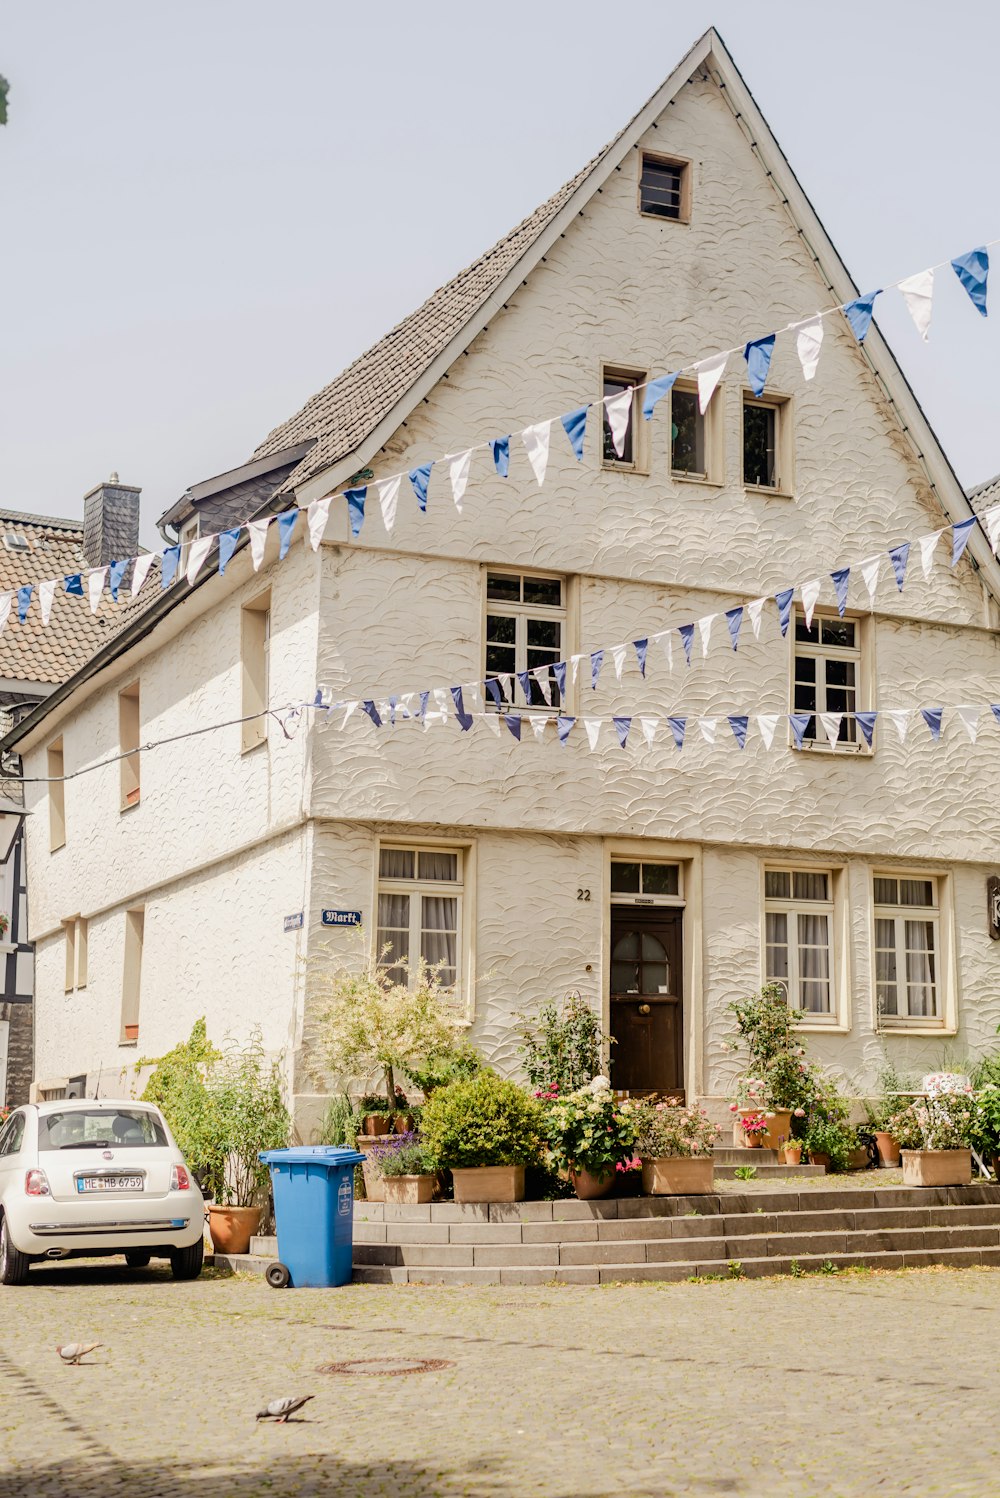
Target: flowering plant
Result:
[587, 1129]
[664, 1130]
[946, 1122]
[754, 1124]
[401, 1155]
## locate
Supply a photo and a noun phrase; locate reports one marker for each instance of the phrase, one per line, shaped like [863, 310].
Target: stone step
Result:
[733, 1154]
[764, 1169]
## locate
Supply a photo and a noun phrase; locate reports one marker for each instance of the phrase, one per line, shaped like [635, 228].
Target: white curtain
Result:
[814, 961]
[439, 935]
[920, 983]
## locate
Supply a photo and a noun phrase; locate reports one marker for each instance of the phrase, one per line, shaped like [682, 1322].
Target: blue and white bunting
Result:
[758, 357]
[859, 314]
[972, 269]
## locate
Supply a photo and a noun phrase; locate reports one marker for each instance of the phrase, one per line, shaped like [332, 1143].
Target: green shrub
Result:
[485, 1121]
[341, 1123]
[562, 1047]
[454, 1063]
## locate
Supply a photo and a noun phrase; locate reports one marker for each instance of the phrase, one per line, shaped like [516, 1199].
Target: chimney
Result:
[110, 522]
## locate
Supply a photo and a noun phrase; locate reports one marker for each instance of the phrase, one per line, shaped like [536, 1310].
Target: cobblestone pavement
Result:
[853, 1386]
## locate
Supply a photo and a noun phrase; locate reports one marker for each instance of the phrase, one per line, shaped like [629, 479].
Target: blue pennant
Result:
[464, 718]
[960, 538]
[686, 632]
[74, 584]
[493, 687]
[513, 722]
[575, 427]
[559, 672]
[420, 478]
[563, 726]
[932, 717]
[596, 662]
[841, 579]
[286, 529]
[995, 710]
[758, 357]
[169, 568]
[972, 269]
[784, 602]
[500, 448]
[739, 722]
[898, 556]
[393, 701]
[425, 697]
[655, 391]
[116, 573]
[859, 314]
[622, 726]
[640, 647]
[227, 545]
[525, 680]
[23, 601]
[355, 509]
[372, 711]
[677, 726]
[799, 722]
[734, 619]
[866, 722]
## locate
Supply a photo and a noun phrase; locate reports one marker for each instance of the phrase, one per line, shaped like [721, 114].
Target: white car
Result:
[87, 1178]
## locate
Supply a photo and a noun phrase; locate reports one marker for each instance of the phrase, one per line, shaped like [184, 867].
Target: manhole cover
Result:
[385, 1367]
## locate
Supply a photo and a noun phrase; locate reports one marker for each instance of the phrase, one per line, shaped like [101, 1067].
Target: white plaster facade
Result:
[224, 844]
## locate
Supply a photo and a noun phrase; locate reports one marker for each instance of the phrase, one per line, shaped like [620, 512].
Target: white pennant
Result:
[95, 587]
[458, 472]
[970, 720]
[197, 556]
[258, 539]
[755, 609]
[870, 569]
[506, 686]
[388, 494]
[808, 342]
[574, 667]
[618, 408]
[538, 725]
[927, 545]
[406, 703]
[536, 443]
[46, 593]
[140, 570]
[648, 726]
[831, 726]
[471, 698]
[618, 657]
[430, 718]
[901, 718]
[810, 594]
[768, 724]
[918, 292]
[707, 726]
[541, 675]
[5, 600]
[592, 725]
[991, 520]
[709, 372]
[668, 649]
[441, 700]
[492, 721]
[705, 629]
[317, 516]
[351, 708]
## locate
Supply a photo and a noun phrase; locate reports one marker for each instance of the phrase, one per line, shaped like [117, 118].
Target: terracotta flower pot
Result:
[937, 1167]
[403, 1123]
[793, 1154]
[679, 1175]
[753, 1141]
[409, 1191]
[489, 1183]
[374, 1179]
[816, 1157]
[589, 1186]
[376, 1123]
[232, 1228]
[888, 1149]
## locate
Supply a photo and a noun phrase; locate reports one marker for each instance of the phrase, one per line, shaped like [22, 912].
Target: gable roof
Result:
[984, 496]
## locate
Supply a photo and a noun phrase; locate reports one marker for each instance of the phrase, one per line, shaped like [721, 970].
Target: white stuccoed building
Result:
[660, 884]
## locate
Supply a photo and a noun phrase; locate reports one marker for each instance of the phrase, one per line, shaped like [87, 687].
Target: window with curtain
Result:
[420, 911]
[907, 948]
[798, 937]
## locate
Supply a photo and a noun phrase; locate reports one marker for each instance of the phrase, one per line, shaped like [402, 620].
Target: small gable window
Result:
[664, 188]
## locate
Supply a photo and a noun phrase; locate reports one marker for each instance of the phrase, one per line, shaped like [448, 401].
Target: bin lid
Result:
[312, 1154]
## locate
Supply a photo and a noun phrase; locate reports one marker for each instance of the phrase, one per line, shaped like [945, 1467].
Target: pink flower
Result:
[800, 1113]
[732, 1108]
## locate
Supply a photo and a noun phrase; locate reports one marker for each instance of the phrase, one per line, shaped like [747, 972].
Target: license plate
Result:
[109, 1183]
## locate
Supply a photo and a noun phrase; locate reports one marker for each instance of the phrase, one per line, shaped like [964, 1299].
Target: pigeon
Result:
[280, 1409]
[72, 1352]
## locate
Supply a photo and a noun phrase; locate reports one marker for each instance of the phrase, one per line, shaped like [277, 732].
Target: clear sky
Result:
[211, 206]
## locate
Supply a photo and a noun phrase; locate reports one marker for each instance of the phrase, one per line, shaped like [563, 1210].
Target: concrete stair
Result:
[765, 1164]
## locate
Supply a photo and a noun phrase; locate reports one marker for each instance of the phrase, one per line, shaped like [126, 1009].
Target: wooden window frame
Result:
[684, 166]
[715, 437]
[838, 1020]
[464, 888]
[55, 759]
[255, 670]
[784, 445]
[129, 738]
[861, 654]
[564, 615]
[942, 915]
[627, 374]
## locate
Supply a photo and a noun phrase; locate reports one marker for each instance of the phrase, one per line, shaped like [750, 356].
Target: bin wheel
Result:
[277, 1276]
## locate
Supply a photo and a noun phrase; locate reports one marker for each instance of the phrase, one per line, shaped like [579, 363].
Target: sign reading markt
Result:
[342, 918]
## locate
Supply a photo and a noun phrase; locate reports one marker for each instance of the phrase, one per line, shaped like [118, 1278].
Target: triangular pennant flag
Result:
[784, 602]
[596, 661]
[492, 721]
[799, 722]
[970, 720]
[388, 498]
[420, 478]
[709, 373]
[870, 569]
[901, 719]
[116, 576]
[622, 726]
[140, 571]
[841, 579]
[593, 727]
[932, 717]
[355, 510]
[563, 727]
[372, 711]
[808, 342]
[972, 269]
[227, 545]
[559, 672]
[575, 426]
[574, 667]
[618, 658]
[286, 529]
[831, 726]
[927, 545]
[525, 679]
[767, 724]
[705, 630]
[758, 357]
[74, 582]
[668, 649]
[541, 675]
[316, 518]
[739, 723]
[493, 687]
[425, 697]
[46, 593]
[686, 632]
[198, 556]
[677, 726]
[649, 727]
[897, 556]
[866, 722]
[441, 701]
[500, 448]
[960, 538]
[23, 601]
[392, 710]
[707, 726]
[995, 710]
[458, 471]
[859, 314]
[5, 602]
[991, 520]
[640, 647]
[755, 609]
[655, 391]
[258, 539]
[513, 722]
[536, 441]
[538, 723]
[618, 409]
[506, 685]
[918, 292]
[810, 595]
[464, 718]
[95, 587]
[734, 620]
[168, 570]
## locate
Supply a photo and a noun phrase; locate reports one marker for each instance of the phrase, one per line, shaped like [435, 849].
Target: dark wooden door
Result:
[647, 1010]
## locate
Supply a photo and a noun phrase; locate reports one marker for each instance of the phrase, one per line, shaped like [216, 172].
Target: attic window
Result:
[664, 188]
[14, 541]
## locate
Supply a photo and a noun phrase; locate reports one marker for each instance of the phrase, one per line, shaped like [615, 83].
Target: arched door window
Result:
[639, 964]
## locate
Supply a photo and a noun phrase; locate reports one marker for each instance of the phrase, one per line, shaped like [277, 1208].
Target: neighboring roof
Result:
[985, 495]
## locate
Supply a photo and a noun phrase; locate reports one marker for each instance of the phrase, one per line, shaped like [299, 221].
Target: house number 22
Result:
[583, 894]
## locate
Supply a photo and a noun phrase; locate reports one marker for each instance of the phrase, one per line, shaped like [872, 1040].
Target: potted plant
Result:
[589, 1135]
[793, 1152]
[563, 1048]
[935, 1135]
[408, 1175]
[987, 1135]
[883, 1107]
[674, 1143]
[753, 1126]
[485, 1131]
[376, 1117]
[779, 1079]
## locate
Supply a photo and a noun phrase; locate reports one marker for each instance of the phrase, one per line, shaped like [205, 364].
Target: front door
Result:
[647, 1011]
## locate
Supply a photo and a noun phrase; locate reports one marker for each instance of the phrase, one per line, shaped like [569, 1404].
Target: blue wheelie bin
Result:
[313, 1189]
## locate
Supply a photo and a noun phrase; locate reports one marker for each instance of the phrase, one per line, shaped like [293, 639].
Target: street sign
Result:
[294, 922]
[342, 918]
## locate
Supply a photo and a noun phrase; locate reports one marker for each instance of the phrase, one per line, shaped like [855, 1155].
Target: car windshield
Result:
[100, 1128]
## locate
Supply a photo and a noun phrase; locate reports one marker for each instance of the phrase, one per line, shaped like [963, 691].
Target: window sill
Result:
[252, 748]
[128, 1045]
[858, 751]
[905, 1027]
[664, 218]
[129, 806]
[58, 846]
[610, 467]
[762, 491]
[702, 483]
[813, 1027]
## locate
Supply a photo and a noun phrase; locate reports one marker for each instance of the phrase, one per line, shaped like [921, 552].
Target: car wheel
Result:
[13, 1263]
[137, 1258]
[185, 1263]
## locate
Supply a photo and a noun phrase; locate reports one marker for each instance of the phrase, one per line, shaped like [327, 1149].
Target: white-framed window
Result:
[767, 443]
[420, 893]
[826, 676]
[616, 380]
[75, 934]
[187, 533]
[525, 629]
[798, 938]
[665, 187]
[697, 441]
[907, 948]
[645, 882]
